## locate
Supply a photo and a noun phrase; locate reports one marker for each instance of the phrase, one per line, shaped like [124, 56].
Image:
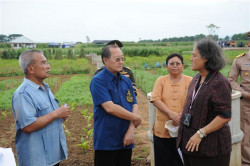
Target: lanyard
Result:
[195, 94]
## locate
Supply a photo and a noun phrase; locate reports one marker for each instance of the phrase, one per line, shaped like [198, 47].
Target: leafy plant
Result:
[85, 145]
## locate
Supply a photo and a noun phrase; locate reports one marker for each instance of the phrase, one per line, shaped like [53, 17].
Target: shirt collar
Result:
[34, 85]
[208, 77]
[110, 76]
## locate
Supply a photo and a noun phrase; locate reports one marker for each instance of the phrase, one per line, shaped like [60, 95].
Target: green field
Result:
[72, 88]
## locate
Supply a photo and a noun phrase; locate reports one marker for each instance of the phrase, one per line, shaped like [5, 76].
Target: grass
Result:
[75, 91]
[11, 67]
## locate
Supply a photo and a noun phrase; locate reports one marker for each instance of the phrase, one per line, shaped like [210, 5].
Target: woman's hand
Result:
[193, 143]
[175, 117]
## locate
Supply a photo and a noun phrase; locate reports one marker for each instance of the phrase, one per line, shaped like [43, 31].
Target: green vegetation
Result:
[5, 99]
[10, 67]
[145, 78]
[88, 131]
[8, 87]
[75, 91]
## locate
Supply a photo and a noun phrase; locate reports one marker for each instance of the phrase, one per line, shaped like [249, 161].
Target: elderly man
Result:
[125, 70]
[40, 138]
[241, 67]
[115, 111]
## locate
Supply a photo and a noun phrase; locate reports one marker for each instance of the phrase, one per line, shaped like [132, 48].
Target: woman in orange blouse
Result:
[168, 96]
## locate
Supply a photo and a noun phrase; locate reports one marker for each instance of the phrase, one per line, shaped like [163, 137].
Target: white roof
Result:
[21, 39]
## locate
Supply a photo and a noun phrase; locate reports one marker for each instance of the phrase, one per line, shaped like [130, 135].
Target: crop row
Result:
[10, 67]
[73, 91]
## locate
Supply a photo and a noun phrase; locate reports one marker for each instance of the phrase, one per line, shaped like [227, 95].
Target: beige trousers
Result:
[245, 127]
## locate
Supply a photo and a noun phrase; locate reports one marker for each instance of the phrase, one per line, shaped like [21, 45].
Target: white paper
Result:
[7, 157]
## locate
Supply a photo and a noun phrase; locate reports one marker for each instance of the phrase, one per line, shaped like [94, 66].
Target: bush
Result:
[58, 54]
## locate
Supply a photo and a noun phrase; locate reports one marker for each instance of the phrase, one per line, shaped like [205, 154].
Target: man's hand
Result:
[137, 120]
[129, 137]
[63, 112]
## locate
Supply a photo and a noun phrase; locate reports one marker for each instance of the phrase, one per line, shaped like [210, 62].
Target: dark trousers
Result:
[166, 153]
[113, 157]
[222, 160]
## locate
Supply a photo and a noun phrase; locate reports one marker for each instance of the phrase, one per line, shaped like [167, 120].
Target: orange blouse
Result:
[173, 95]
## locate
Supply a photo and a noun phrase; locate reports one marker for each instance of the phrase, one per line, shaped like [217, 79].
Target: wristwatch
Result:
[200, 134]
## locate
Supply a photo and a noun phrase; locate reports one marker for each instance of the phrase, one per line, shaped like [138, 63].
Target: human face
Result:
[175, 66]
[116, 60]
[197, 62]
[40, 67]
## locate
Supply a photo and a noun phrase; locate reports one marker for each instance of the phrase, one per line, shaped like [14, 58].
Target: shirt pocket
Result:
[44, 108]
[127, 94]
[245, 71]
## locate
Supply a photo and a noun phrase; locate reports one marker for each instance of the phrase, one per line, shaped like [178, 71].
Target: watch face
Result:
[201, 135]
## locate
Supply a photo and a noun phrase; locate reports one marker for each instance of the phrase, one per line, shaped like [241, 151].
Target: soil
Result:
[74, 124]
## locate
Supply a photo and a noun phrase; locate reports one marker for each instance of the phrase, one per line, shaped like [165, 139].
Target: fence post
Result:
[150, 131]
[236, 133]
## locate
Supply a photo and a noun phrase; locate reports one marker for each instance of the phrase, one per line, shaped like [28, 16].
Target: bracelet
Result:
[201, 130]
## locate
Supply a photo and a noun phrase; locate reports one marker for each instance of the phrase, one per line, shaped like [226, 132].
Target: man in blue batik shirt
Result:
[40, 138]
[115, 111]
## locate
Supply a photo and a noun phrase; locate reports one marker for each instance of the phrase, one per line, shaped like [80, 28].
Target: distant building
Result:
[22, 42]
[101, 41]
[54, 45]
[68, 44]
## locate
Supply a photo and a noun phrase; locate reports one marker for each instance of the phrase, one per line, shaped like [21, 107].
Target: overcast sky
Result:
[126, 20]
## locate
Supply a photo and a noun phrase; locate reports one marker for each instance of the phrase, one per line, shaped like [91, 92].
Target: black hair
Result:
[174, 55]
[211, 51]
[106, 51]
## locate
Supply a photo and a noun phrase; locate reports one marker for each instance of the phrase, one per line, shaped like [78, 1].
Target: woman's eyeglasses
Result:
[175, 63]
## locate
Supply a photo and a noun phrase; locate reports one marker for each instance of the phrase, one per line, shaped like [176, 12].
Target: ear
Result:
[105, 59]
[30, 69]
[166, 67]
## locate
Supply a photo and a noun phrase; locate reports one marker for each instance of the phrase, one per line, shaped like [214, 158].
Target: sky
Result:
[125, 20]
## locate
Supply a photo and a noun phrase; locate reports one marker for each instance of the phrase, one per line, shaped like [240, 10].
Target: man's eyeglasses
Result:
[175, 63]
[45, 63]
[42, 63]
[120, 59]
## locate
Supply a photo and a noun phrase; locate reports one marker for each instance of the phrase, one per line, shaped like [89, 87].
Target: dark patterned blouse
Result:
[213, 99]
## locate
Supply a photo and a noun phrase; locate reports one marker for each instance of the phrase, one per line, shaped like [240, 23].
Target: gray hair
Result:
[211, 51]
[26, 58]
[106, 51]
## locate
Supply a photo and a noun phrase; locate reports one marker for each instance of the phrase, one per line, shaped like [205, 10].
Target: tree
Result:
[226, 38]
[3, 38]
[240, 36]
[13, 36]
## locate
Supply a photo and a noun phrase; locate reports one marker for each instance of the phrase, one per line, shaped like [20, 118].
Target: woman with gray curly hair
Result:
[204, 134]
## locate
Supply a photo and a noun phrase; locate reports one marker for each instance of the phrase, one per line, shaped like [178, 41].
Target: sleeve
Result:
[24, 109]
[157, 91]
[221, 99]
[233, 78]
[99, 92]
